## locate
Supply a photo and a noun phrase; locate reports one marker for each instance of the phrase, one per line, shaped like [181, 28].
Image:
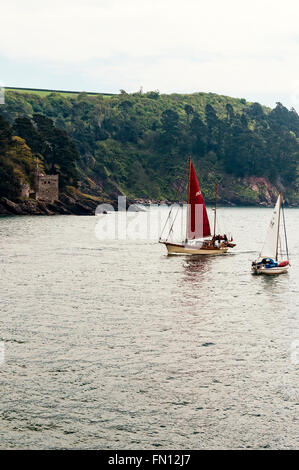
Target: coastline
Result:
[69, 205]
[66, 205]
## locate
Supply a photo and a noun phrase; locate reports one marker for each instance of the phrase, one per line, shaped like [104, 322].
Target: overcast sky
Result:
[239, 48]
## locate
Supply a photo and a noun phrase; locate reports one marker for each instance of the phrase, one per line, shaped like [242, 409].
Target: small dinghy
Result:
[271, 259]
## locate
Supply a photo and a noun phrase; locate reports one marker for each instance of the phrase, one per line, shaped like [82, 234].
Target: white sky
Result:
[233, 47]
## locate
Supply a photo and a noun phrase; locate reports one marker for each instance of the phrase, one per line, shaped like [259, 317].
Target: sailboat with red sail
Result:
[199, 239]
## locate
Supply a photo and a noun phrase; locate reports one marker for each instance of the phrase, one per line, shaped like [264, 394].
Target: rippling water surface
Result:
[114, 345]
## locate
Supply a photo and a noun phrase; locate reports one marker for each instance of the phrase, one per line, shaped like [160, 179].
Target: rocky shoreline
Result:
[74, 202]
[67, 205]
[220, 203]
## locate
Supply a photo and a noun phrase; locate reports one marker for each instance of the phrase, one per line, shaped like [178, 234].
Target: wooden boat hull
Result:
[270, 271]
[174, 249]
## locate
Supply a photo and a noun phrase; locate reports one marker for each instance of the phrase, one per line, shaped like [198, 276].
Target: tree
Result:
[170, 129]
[255, 111]
[199, 136]
[229, 112]
[59, 151]
[170, 122]
[189, 111]
[213, 130]
[24, 128]
[5, 134]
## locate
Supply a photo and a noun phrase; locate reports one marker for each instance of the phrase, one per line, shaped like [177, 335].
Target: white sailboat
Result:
[270, 261]
[199, 239]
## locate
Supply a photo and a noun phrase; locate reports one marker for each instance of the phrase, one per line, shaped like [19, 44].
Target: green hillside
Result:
[45, 92]
[137, 144]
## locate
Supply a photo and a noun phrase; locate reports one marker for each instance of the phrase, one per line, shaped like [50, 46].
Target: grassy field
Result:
[44, 92]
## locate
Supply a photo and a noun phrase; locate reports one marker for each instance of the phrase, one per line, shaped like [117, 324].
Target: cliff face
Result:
[266, 193]
[257, 191]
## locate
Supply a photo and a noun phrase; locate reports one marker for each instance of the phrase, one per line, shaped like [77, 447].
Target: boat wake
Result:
[241, 252]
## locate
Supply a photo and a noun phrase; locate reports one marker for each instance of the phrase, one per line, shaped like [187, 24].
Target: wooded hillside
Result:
[137, 144]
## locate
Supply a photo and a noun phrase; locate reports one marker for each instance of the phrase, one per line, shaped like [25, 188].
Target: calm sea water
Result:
[113, 345]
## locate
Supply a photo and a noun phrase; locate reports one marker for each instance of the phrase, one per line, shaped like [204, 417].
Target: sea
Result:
[108, 343]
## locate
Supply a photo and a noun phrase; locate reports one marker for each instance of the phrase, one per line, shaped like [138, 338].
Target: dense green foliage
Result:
[28, 140]
[16, 161]
[137, 143]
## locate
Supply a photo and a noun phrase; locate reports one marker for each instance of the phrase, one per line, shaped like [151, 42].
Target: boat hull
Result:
[174, 249]
[270, 271]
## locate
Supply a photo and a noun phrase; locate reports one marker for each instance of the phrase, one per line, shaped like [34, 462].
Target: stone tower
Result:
[46, 186]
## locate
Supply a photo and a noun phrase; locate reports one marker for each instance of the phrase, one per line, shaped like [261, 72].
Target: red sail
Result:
[197, 220]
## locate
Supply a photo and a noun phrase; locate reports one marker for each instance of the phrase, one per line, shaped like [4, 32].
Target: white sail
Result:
[270, 244]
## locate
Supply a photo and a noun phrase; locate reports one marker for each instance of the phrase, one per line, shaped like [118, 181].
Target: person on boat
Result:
[267, 262]
[215, 239]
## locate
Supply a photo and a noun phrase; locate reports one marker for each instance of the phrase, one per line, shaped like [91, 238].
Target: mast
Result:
[285, 231]
[215, 209]
[188, 199]
[189, 172]
[277, 239]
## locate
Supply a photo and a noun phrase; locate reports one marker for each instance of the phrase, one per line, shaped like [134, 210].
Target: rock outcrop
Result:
[67, 204]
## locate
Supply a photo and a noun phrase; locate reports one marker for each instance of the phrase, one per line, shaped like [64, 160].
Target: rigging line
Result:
[221, 224]
[216, 190]
[169, 214]
[285, 231]
[173, 222]
[176, 196]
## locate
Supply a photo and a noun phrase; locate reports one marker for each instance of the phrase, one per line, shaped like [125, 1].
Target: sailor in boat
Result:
[267, 262]
[221, 240]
